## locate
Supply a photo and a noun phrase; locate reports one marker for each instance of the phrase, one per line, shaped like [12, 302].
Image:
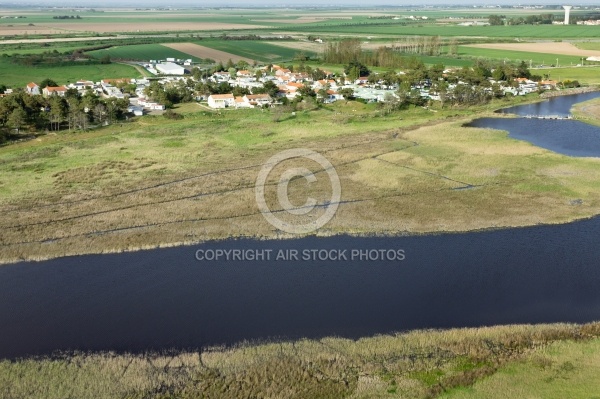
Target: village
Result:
[273, 85]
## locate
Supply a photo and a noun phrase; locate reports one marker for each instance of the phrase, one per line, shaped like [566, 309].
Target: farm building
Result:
[170, 68]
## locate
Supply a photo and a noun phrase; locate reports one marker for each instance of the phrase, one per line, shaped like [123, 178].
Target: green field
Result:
[587, 75]
[588, 45]
[13, 75]
[141, 52]
[254, 49]
[534, 58]
[429, 29]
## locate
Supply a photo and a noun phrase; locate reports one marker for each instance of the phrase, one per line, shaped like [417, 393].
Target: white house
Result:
[32, 88]
[221, 100]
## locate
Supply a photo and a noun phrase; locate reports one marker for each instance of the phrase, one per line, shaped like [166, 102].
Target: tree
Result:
[347, 92]
[268, 87]
[105, 59]
[306, 91]
[241, 64]
[47, 83]
[496, 20]
[356, 68]
[17, 118]
[232, 73]
[99, 112]
[58, 110]
[435, 72]
[453, 47]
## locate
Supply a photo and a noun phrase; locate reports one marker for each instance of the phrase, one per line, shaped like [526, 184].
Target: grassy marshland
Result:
[156, 182]
[549, 361]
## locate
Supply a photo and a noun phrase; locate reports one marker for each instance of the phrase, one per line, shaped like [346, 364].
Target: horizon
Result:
[278, 4]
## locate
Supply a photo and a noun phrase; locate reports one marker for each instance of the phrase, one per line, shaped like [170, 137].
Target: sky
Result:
[266, 3]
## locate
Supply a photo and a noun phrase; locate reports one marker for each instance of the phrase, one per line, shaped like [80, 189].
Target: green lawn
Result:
[13, 75]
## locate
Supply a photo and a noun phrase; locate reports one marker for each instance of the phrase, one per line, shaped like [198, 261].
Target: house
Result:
[84, 84]
[136, 110]
[244, 73]
[282, 72]
[548, 84]
[221, 100]
[54, 90]
[258, 99]
[320, 84]
[32, 88]
[241, 103]
[221, 77]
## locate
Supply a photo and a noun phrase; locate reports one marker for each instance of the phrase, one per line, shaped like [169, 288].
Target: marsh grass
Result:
[418, 364]
[155, 182]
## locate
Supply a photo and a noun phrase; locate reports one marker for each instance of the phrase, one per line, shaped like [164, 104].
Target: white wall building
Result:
[170, 68]
[221, 100]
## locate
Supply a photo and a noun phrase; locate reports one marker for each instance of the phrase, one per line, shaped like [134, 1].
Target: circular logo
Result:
[282, 191]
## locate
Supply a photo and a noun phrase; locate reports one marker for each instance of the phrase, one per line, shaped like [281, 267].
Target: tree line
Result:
[19, 111]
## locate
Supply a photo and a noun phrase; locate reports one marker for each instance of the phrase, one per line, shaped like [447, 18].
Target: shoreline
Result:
[289, 237]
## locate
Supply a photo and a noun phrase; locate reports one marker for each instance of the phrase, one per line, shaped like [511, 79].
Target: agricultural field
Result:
[561, 48]
[13, 75]
[529, 57]
[588, 75]
[142, 52]
[254, 50]
[594, 46]
[431, 29]
[197, 50]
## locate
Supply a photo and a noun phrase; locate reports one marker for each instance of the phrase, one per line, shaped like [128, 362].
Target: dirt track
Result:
[206, 52]
[561, 48]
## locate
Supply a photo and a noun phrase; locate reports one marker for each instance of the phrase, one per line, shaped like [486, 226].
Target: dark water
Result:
[165, 298]
[567, 137]
[560, 105]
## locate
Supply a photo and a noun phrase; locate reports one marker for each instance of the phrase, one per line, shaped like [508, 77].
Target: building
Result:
[170, 68]
[221, 100]
[54, 91]
[32, 88]
[258, 99]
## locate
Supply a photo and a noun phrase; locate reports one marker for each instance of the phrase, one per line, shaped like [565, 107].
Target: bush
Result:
[169, 114]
